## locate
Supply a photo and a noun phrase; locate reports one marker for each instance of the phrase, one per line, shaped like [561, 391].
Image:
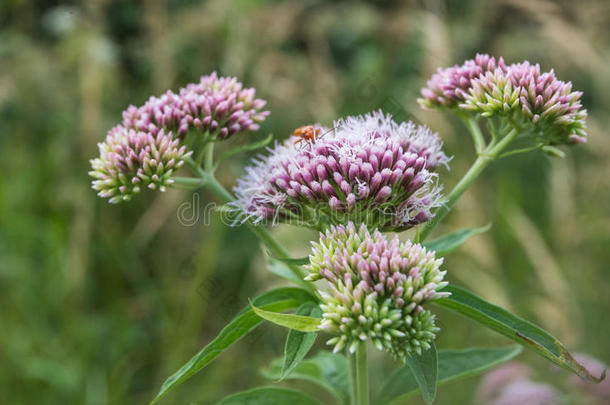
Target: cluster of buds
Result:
[377, 290]
[217, 106]
[130, 160]
[148, 147]
[449, 87]
[367, 169]
[535, 101]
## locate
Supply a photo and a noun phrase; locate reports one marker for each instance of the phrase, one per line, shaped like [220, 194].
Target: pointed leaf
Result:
[329, 371]
[424, 368]
[452, 364]
[296, 322]
[280, 268]
[269, 396]
[299, 261]
[298, 343]
[450, 242]
[278, 300]
[513, 327]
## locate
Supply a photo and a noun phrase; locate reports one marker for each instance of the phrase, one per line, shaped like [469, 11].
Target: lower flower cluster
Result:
[377, 290]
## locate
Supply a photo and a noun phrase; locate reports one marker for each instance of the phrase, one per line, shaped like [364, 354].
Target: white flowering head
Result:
[367, 169]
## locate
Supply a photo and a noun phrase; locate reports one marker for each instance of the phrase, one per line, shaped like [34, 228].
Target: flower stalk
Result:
[360, 376]
[472, 124]
[489, 154]
[206, 179]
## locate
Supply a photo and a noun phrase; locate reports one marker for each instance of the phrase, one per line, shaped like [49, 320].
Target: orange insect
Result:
[306, 133]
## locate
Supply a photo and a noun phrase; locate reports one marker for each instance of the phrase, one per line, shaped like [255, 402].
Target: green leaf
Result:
[298, 343]
[450, 242]
[329, 371]
[269, 396]
[424, 368]
[281, 299]
[296, 322]
[280, 268]
[513, 327]
[300, 261]
[452, 364]
[243, 148]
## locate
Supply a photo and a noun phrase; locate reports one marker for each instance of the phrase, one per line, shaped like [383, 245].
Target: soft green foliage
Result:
[328, 370]
[513, 327]
[424, 368]
[243, 323]
[281, 269]
[299, 343]
[452, 364]
[296, 322]
[269, 396]
[452, 241]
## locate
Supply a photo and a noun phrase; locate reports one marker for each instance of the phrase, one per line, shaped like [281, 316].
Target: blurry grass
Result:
[100, 303]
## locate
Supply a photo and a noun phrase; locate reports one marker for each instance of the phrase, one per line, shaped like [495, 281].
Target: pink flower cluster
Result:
[377, 289]
[368, 169]
[536, 101]
[130, 160]
[146, 149]
[448, 87]
[218, 106]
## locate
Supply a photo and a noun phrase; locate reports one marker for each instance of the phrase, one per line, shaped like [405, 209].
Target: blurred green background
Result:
[100, 303]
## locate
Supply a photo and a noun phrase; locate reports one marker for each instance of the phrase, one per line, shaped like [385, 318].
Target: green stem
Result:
[499, 147]
[217, 189]
[470, 176]
[205, 140]
[208, 162]
[485, 158]
[189, 183]
[417, 236]
[208, 180]
[360, 376]
[473, 126]
[520, 151]
[353, 367]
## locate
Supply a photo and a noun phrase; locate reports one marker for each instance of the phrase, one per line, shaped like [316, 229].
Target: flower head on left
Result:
[130, 160]
[151, 143]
